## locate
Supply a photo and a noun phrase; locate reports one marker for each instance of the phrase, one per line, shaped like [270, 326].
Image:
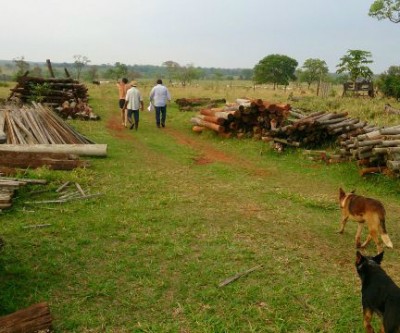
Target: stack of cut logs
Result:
[316, 128]
[192, 104]
[35, 136]
[377, 150]
[245, 117]
[67, 96]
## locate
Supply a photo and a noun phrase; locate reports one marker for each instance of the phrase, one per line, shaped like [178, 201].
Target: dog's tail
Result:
[384, 235]
[386, 240]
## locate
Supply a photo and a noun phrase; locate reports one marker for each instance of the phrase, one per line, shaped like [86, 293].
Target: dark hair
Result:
[159, 81]
[125, 80]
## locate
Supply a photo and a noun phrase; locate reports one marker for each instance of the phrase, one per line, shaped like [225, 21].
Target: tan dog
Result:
[364, 210]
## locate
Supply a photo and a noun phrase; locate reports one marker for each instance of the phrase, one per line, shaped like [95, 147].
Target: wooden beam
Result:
[36, 317]
[98, 150]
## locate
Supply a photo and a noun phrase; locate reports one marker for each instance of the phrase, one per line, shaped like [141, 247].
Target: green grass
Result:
[148, 255]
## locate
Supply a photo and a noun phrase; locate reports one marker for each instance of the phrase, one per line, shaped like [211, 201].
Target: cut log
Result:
[391, 110]
[197, 129]
[393, 165]
[200, 122]
[98, 150]
[370, 170]
[36, 317]
[387, 150]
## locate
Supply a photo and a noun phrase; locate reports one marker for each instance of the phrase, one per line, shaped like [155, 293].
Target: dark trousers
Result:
[135, 114]
[161, 114]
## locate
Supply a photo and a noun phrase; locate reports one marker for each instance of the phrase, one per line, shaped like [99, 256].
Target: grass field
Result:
[180, 213]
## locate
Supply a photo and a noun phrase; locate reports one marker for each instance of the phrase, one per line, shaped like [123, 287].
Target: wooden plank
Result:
[34, 318]
[98, 150]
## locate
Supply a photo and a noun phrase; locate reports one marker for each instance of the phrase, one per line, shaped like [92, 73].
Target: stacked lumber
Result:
[8, 187]
[35, 136]
[36, 125]
[191, 104]
[68, 97]
[33, 160]
[245, 117]
[376, 151]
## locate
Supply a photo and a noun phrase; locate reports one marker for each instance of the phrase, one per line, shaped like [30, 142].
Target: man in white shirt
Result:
[133, 102]
[159, 96]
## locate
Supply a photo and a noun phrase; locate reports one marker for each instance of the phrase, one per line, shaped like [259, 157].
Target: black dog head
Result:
[365, 264]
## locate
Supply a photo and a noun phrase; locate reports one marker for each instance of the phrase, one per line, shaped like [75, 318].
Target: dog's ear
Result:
[353, 191]
[359, 258]
[341, 193]
[378, 258]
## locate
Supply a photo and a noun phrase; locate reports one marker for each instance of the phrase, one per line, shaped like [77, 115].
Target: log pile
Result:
[246, 117]
[66, 96]
[315, 129]
[193, 104]
[375, 151]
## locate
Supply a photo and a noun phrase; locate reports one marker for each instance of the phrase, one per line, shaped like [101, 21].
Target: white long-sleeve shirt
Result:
[159, 95]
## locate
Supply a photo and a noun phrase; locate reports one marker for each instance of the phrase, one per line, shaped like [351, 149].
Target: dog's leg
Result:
[358, 235]
[373, 234]
[367, 320]
[343, 222]
[369, 237]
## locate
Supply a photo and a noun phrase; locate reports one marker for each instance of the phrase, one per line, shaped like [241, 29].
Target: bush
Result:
[389, 82]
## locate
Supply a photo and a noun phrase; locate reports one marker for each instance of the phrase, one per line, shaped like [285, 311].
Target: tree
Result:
[93, 73]
[246, 74]
[22, 66]
[355, 64]
[313, 70]
[119, 71]
[386, 9]
[173, 69]
[188, 73]
[79, 63]
[389, 82]
[276, 69]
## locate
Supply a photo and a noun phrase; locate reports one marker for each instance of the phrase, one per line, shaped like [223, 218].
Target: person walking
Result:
[159, 96]
[122, 89]
[133, 102]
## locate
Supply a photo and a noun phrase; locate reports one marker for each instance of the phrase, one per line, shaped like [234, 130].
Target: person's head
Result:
[159, 81]
[124, 80]
[133, 83]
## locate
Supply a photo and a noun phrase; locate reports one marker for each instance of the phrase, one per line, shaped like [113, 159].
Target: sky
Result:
[203, 33]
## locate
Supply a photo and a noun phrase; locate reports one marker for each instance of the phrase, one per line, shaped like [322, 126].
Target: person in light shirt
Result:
[159, 97]
[133, 102]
